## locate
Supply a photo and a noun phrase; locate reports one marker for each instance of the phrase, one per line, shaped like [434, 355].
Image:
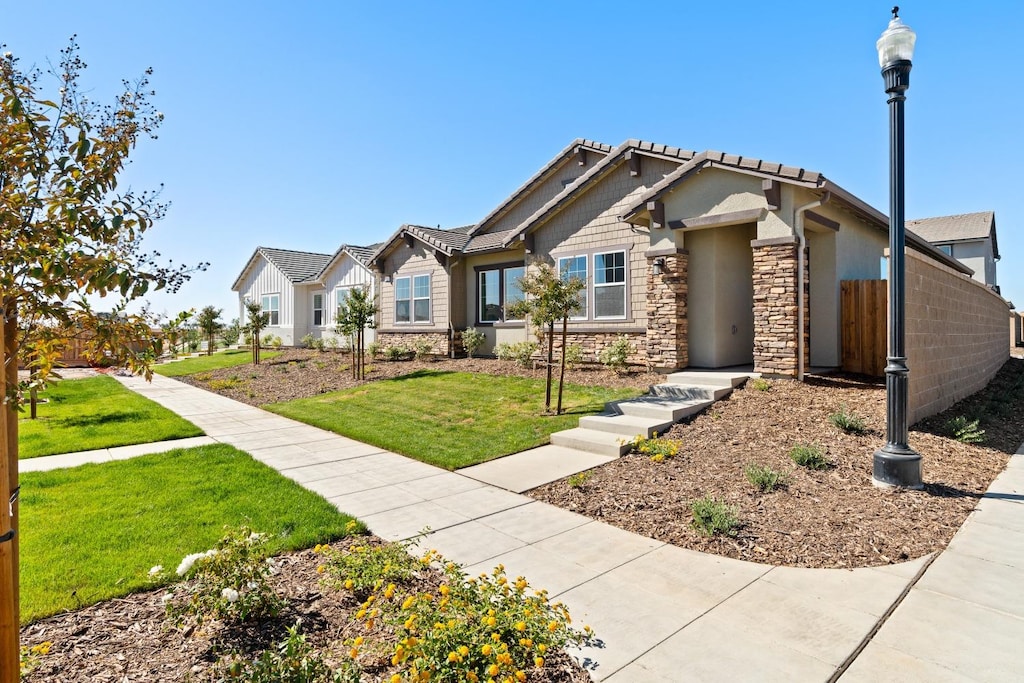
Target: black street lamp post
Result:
[896, 463]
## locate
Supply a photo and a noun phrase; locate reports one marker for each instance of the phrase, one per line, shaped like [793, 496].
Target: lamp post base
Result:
[897, 467]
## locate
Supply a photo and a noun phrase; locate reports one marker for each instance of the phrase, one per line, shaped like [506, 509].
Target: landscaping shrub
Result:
[373, 349]
[520, 352]
[228, 582]
[472, 339]
[711, 517]
[764, 478]
[615, 355]
[965, 430]
[576, 481]
[573, 355]
[847, 421]
[312, 342]
[657, 449]
[761, 384]
[395, 353]
[365, 567]
[811, 456]
[292, 661]
[424, 349]
[231, 333]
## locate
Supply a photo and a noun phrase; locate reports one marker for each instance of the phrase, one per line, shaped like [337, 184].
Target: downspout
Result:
[800, 296]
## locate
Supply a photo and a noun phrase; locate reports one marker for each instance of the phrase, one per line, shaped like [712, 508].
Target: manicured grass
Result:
[449, 419]
[220, 359]
[96, 412]
[90, 533]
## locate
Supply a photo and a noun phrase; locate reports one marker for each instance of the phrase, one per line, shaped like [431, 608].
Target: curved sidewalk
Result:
[665, 613]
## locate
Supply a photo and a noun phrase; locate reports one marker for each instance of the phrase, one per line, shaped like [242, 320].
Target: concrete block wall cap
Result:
[775, 241]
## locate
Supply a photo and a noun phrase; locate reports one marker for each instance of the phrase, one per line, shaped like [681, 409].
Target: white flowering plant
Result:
[231, 581]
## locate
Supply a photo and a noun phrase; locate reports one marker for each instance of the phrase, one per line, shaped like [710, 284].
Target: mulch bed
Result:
[299, 373]
[827, 518]
[129, 639]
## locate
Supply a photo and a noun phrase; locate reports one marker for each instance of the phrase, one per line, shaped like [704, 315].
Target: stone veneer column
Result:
[667, 344]
[775, 307]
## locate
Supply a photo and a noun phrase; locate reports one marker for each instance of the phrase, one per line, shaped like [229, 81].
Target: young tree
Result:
[258, 320]
[357, 313]
[549, 297]
[210, 324]
[231, 333]
[67, 234]
[172, 329]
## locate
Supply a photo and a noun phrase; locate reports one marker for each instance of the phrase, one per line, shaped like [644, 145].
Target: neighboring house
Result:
[301, 290]
[969, 238]
[693, 257]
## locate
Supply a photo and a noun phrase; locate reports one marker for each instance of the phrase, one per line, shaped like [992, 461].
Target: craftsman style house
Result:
[700, 259]
[301, 290]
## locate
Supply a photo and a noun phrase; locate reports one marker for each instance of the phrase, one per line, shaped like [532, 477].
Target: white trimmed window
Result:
[271, 303]
[318, 310]
[412, 299]
[497, 289]
[610, 285]
[575, 267]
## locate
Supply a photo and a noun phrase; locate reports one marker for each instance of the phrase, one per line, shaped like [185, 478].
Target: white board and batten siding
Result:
[266, 278]
[347, 273]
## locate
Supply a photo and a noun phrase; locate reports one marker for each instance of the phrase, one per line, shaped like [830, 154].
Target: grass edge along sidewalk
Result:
[448, 419]
[93, 413]
[92, 532]
[220, 359]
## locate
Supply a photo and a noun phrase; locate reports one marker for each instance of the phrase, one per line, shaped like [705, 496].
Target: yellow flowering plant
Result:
[657, 449]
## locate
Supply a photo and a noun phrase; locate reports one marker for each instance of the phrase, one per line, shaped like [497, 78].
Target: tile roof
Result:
[449, 240]
[487, 241]
[964, 226]
[598, 170]
[569, 150]
[296, 265]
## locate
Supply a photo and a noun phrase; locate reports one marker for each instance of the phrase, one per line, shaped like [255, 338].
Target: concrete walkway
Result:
[665, 613]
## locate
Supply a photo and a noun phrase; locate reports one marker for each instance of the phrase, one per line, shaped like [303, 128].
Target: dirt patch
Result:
[827, 518]
[129, 640]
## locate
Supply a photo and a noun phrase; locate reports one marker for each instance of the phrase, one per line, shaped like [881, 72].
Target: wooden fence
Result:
[864, 309]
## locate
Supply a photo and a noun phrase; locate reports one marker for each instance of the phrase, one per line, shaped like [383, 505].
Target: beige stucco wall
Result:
[721, 294]
[568, 171]
[956, 335]
[408, 261]
[592, 223]
[824, 298]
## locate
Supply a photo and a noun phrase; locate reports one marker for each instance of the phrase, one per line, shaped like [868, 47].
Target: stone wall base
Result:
[439, 342]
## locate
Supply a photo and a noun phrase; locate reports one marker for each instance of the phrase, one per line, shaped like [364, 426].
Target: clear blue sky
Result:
[306, 125]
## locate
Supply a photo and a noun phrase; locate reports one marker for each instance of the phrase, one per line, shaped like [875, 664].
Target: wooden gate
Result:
[864, 309]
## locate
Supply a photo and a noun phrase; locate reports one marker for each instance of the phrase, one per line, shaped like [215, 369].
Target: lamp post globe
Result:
[896, 464]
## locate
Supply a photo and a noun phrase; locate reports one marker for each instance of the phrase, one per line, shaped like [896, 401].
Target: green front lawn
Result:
[90, 533]
[97, 412]
[449, 419]
[220, 359]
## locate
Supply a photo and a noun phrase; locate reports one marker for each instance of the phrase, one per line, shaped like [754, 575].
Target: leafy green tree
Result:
[68, 234]
[231, 332]
[209, 324]
[172, 329]
[356, 314]
[258, 320]
[549, 298]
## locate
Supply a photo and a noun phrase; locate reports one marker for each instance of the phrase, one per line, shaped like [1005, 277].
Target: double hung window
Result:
[412, 299]
[271, 304]
[604, 297]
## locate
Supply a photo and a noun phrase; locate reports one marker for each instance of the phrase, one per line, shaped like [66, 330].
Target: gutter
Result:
[800, 279]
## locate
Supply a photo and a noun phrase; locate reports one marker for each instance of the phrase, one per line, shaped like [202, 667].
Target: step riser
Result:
[706, 379]
[610, 425]
[689, 392]
[614, 450]
[662, 413]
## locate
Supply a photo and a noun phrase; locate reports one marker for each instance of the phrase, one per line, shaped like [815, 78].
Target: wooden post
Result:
[10, 668]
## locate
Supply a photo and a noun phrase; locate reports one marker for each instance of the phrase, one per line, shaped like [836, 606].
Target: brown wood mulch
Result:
[129, 639]
[828, 518]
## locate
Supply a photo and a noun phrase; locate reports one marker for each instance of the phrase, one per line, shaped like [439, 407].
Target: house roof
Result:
[571, 149]
[795, 176]
[958, 228]
[575, 189]
[297, 266]
[359, 254]
[448, 241]
[486, 242]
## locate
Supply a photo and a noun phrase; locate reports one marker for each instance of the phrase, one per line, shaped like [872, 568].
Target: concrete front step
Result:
[625, 425]
[707, 378]
[592, 441]
[661, 407]
[690, 392]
